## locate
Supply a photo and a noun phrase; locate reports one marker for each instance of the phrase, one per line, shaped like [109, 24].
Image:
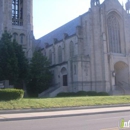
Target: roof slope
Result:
[69, 28]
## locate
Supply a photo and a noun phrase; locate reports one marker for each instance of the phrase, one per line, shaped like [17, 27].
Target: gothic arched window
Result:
[59, 54]
[114, 34]
[75, 69]
[71, 49]
[50, 56]
[22, 38]
[17, 12]
[15, 35]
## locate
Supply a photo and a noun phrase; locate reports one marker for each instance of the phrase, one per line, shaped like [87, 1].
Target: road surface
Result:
[107, 121]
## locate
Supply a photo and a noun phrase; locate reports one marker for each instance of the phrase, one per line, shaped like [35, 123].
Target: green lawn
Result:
[63, 102]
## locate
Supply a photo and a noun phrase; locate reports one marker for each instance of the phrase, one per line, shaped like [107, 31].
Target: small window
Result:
[15, 36]
[60, 54]
[75, 69]
[53, 77]
[22, 39]
[71, 49]
[50, 56]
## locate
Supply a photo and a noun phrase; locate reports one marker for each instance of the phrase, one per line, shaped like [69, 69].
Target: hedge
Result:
[63, 94]
[102, 94]
[11, 94]
[82, 93]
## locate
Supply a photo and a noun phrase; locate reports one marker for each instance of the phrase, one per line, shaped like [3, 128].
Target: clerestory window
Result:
[71, 49]
[59, 54]
[50, 56]
[17, 12]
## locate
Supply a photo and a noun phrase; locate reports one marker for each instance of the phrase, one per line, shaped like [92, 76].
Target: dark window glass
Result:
[60, 54]
[65, 82]
[22, 38]
[50, 56]
[17, 12]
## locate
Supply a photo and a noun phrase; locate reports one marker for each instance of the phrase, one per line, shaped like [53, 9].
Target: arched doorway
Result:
[64, 77]
[121, 73]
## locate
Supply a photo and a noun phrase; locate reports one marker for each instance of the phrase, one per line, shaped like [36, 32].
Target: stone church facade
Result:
[16, 17]
[91, 52]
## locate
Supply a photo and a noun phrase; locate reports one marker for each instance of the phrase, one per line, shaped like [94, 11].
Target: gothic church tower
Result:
[16, 17]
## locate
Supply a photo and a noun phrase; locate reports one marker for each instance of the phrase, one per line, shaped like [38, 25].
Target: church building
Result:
[91, 52]
[16, 18]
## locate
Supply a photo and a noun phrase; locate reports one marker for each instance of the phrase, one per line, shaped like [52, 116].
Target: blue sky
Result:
[51, 14]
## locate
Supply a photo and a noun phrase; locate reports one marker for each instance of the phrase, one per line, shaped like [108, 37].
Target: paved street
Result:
[61, 113]
[84, 122]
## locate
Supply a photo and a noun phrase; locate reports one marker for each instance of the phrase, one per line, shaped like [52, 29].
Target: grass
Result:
[63, 102]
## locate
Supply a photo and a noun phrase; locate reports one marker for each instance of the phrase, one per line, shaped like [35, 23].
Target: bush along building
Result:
[91, 52]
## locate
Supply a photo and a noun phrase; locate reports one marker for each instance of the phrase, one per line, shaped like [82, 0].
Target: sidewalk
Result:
[61, 113]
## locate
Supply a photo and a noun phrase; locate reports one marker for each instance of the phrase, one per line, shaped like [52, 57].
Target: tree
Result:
[40, 76]
[13, 63]
[8, 59]
[22, 64]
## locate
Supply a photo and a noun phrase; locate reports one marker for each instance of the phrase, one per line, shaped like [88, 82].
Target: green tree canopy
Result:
[13, 63]
[8, 59]
[22, 61]
[40, 76]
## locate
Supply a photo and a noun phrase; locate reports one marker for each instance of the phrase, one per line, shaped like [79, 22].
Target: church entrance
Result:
[64, 77]
[65, 82]
[121, 73]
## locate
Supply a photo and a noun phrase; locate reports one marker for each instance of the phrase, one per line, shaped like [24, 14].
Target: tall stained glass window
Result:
[114, 34]
[17, 12]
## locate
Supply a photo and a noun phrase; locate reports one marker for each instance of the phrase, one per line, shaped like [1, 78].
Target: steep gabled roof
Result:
[69, 28]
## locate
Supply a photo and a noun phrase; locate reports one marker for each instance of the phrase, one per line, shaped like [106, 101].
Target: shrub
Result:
[102, 94]
[63, 94]
[82, 93]
[92, 93]
[11, 94]
[72, 94]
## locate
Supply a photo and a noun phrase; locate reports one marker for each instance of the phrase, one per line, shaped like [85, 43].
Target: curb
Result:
[59, 109]
[57, 116]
